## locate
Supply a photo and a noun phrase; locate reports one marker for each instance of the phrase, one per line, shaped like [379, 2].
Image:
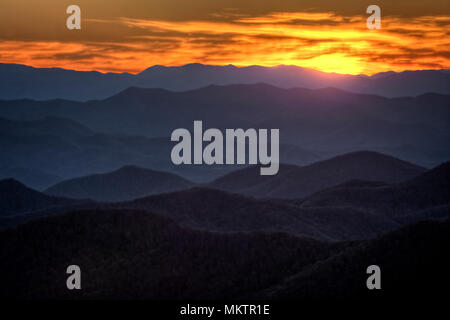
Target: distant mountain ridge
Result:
[297, 182]
[423, 197]
[20, 81]
[32, 178]
[142, 227]
[126, 183]
[50, 125]
[18, 199]
[43, 152]
[326, 122]
[352, 211]
[131, 182]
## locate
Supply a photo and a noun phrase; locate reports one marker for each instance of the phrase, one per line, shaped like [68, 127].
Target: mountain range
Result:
[298, 182]
[351, 211]
[203, 243]
[16, 199]
[126, 183]
[134, 128]
[364, 179]
[41, 153]
[368, 212]
[422, 197]
[20, 81]
[131, 182]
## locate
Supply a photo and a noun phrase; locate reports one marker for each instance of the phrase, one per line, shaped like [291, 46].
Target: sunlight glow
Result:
[323, 41]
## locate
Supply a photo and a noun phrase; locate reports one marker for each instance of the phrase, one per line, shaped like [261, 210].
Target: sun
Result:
[336, 62]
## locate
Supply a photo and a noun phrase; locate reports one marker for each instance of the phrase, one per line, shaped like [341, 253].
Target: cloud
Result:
[324, 41]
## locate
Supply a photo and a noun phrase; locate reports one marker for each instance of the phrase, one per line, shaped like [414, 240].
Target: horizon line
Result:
[225, 65]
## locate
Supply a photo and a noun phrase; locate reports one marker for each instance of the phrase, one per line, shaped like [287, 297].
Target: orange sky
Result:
[129, 36]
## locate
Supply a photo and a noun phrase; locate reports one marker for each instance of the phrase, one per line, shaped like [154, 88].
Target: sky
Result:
[132, 35]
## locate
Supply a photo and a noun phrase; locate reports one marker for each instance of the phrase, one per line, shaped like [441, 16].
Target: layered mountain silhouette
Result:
[132, 182]
[298, 182]
[17, 199]
[20, 81]
[423, 197]
[44, 152]
[34, 178]
[205, 243]
[126, 183]
[351, 211]
[209, 209]
[214, 210]
[367, 210]
[49, 126]
[314, 124]
[142, 227]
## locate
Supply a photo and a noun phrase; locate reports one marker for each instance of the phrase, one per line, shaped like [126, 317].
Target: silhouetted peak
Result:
[196, 66]
[11, 183]
[202, 192]
[131, 168]
[126, 183]
[198, 194]
[332, 90]
[381, 75]
[135, 170]
[357, 183]
[133, 92]
[438, 175]
[443, 168]
[365, 155]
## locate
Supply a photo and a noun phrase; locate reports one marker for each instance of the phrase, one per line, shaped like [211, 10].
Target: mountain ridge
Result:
[352, 211]
[88, 85]
[17, 199]
[328, 121]
[126, 183]
[298, 182]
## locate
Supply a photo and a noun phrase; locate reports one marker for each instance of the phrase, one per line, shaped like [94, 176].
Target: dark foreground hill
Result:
[127, 254]
[16, 199]
[424, 197]
[297, 182]
[412, 260]
[33, 178]
[215, 210]
[361, 210]
[127, 183]
[131, 254]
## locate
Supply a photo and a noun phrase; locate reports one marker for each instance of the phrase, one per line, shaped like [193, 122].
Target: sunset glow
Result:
[325, 41]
